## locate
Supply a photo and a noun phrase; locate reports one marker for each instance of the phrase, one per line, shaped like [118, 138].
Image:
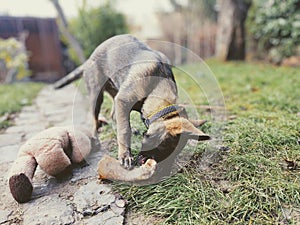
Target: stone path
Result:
[80, 199]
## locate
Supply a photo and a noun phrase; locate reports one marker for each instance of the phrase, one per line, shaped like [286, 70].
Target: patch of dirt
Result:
[134, 218]
[7, 203]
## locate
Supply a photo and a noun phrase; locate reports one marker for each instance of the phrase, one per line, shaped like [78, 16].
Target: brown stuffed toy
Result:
[54, 150]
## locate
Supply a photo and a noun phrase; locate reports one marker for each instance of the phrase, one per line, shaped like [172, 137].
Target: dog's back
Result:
[116, 56]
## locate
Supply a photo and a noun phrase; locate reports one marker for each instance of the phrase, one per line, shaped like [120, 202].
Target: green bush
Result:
[95, 25]
[275, 25]
[14, 58]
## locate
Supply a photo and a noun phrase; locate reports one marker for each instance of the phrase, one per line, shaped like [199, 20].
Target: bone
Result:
[110, 168]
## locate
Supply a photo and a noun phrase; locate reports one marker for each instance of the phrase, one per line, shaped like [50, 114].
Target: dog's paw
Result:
[127, 161]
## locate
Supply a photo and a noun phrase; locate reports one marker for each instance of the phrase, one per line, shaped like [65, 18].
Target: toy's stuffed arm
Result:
[80, 143]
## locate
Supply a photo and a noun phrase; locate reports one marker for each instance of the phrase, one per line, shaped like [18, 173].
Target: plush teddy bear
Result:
[54, 150]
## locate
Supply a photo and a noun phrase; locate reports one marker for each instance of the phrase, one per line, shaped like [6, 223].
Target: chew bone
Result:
[110, 168]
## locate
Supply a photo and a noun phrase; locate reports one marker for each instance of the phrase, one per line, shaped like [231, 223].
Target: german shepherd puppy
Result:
[138, 78]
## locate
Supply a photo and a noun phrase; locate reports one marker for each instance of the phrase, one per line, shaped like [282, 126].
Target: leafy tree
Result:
[95, 25]
[67, 37]
[204, 8]
[275, 25]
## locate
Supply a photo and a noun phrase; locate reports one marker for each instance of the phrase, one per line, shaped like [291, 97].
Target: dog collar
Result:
[160, 113]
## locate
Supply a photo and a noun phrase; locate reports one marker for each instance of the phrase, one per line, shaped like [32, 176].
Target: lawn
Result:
[14, 97]
[257, 179]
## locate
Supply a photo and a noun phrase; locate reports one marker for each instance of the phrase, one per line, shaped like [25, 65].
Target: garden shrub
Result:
[13, 60]
[275, 25]
[95, 25]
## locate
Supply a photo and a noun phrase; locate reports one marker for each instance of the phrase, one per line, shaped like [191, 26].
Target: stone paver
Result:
[8, 153]
[48, 210]
[4, 215]
[78, 199]
[7, 139]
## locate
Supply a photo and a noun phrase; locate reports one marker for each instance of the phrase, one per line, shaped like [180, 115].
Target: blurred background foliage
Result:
[95, 25]
[13, 59]
[272, 27]
[209, 28]
[275, 27]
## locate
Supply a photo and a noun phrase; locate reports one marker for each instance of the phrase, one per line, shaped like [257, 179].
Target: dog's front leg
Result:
[122, 113]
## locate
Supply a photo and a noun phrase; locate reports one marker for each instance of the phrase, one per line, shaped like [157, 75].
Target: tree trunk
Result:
[230, 41]
[11, 76]
[63, 25]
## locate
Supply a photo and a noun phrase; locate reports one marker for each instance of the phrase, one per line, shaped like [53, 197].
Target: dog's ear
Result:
[198, 123]
[194, 133]
[178, 126]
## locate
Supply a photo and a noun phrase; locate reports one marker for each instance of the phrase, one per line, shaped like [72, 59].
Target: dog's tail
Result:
[74, 75]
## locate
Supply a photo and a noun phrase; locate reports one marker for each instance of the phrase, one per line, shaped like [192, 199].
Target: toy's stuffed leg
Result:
[20, 178]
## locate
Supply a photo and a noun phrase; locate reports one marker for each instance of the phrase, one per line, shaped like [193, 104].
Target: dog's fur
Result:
[138, 78]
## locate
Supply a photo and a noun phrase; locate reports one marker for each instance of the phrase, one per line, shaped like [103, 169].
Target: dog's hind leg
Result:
[96, 100]
[95, 83]
[97, 107]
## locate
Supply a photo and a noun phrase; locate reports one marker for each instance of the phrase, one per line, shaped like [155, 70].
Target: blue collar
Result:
[159, 114]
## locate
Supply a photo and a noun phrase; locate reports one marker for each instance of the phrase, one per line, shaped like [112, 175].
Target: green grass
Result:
[15, 96]
[258, 179]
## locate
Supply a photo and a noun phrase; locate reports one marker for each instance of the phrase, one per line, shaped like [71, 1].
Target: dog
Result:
[138, 78]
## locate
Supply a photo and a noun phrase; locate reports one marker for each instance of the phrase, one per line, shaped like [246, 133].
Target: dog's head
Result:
[163, 137]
